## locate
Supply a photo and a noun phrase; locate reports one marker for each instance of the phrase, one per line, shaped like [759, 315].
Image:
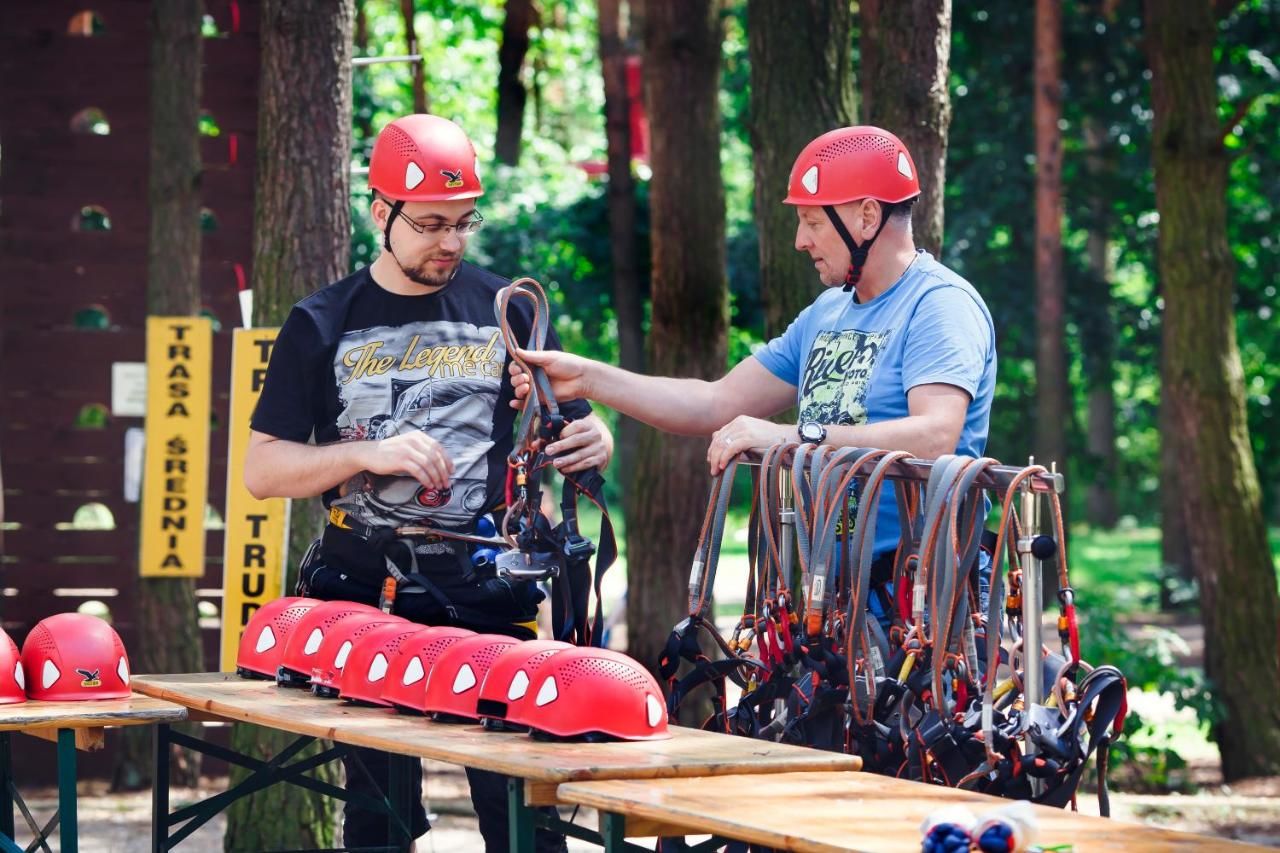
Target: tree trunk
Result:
[419, 66]
[801, 87]
[521, 15]
[1051, 368]
[1203, 385]
[628, 301]
[869, 52]
[1099, 343]
[169, 632]
[302, 227]
[909, 96]
[689, 329]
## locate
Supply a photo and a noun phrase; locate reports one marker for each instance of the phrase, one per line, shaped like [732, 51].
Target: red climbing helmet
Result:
[13, 683]
[424, 158]
[337, 646]
[75, 656]
[454, 682]
[405, 686]
[852, 163]
[304, 640]
[508, 679]
[596, 694]
[265, 637]
[366, 671]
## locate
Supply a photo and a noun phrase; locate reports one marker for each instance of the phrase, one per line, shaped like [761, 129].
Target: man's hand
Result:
[582, 444]
[567, 372]
[741, 434]
[414, 454]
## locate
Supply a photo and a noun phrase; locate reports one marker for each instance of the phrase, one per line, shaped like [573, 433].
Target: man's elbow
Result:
[940, 441]
[255, 477]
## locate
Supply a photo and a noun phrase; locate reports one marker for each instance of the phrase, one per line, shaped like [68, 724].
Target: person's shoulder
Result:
[940, 283]
[339, 292]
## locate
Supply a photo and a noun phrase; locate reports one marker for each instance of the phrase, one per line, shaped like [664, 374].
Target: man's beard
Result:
[424, 275]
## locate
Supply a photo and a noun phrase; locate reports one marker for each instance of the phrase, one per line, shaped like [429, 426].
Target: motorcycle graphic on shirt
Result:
[836, 375]
[441, 378]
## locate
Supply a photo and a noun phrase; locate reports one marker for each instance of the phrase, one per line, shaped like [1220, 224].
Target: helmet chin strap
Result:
[857, 254]
[396, 207]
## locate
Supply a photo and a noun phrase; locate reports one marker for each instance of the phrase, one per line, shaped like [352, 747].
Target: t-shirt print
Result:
[834, 382]
[442, 378]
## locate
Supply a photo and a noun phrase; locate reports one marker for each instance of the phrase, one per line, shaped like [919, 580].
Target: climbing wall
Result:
[74, 143]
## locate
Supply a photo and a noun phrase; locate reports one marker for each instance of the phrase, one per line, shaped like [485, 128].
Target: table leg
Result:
[519, 818]
[613, 830]
[160, 789]
[6, 782]
[69, 828]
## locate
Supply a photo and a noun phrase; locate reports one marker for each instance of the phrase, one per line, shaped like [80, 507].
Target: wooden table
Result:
[536, 768]
[72, 725]
[839, 813]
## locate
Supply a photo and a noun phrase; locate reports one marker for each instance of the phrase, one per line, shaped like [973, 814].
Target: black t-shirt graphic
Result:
[354, 362]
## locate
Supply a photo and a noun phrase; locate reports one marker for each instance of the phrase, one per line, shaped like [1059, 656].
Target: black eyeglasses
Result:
[465, 228]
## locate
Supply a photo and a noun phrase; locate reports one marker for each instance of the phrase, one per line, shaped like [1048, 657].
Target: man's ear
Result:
[872, 211]
[378, 211]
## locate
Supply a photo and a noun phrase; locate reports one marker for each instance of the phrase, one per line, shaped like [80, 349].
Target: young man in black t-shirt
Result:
[399, 371]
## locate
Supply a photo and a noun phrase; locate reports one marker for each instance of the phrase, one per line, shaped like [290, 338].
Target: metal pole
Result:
[383, 60]
[1032, 608]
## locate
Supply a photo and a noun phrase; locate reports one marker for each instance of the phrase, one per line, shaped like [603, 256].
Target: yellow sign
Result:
[257, 531]
[176, 467]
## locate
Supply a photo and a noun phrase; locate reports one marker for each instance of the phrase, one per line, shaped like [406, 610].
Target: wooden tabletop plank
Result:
[96, 713]
[688, 753]
[844, 812]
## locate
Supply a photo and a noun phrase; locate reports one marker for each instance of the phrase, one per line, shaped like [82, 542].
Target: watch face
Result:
[811, 432]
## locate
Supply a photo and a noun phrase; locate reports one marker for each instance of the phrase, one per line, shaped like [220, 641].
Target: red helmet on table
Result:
[306, 637]
[337, 646]
[455, 680]
[366, 671]
[405, 687]
[508, 680]
[13, 682]
[75, 656]
[592, 694]
[263, 642]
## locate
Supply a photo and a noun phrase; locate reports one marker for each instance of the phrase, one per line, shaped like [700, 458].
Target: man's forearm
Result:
[919, 435]
[289, 469]
[681, 406]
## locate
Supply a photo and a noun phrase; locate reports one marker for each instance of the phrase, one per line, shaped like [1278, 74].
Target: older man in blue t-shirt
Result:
[899, 353]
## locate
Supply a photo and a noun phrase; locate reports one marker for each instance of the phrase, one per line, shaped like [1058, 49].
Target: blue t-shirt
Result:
[853, 363]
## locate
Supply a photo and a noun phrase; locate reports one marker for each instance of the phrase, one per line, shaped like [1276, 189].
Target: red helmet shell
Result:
[264, 639]
[454, 683]
[852, 163]
[13, 681]
[424, 158]
[406, 684]
[75, 656]
[337, 646]
[306, 637]
[582, 691]
[509, 677]
[365, 674]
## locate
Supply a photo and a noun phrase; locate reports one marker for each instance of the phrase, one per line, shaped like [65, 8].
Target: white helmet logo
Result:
[19, 675]
[266, 640]
[548, 693]
[413, 175]
[49, 675]
[519, 686]
[465, 679]
[378, 668]
[414, 672]
[313, 642]
[341, 660]
[122, 670]
[904, 165]
[809, 180]
[654, 709]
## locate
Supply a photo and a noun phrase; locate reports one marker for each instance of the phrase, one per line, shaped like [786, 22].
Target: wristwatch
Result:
[812, 432]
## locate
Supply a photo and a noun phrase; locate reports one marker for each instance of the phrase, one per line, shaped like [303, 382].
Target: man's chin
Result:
[433, 278]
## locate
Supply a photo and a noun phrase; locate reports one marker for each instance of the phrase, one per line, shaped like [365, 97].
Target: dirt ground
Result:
[121, 823]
